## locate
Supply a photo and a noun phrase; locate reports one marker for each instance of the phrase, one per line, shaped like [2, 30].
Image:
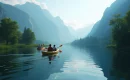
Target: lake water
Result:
[72, 64]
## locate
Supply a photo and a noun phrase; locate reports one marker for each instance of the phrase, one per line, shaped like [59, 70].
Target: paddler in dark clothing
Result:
[54, 48]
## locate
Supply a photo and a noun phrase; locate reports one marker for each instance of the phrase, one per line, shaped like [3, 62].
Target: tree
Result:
[121, 37]
[28, 36]
[9, 31]
[121, 30]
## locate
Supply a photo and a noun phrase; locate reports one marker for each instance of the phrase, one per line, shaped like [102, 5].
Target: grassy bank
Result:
[3, 46]
[8, 48]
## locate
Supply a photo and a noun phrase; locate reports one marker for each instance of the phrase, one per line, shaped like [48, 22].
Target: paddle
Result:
[60, 46]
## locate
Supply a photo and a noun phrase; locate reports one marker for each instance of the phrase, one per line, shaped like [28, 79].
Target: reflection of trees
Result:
[10, 64]
[9, 51]
[18, 51]
[27, 50]
[121, 63]
[103, 58]
[7, 65]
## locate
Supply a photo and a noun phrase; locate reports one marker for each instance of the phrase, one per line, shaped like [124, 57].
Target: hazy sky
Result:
[76, 13]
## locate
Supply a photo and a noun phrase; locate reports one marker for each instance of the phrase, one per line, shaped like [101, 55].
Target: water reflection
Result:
[121, 64]
[11, 63]
[71, 64]
[19, 51]
[102, 57]
[78, 65]
[51, 57]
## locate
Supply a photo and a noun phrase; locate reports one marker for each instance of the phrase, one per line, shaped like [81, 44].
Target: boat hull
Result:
[50, 52]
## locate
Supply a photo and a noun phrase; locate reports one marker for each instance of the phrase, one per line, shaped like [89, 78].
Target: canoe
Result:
[50, 52]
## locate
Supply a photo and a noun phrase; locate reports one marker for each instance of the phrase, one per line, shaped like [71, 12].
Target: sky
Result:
[74, 13]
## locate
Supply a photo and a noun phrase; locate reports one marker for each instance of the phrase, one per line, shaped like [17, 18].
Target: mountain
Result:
[21, 17]
[73, 32]
[94, 28]
[83, 32]
[101, 28]
[51, 29]
[101, 31]
[64, 32]
[46, 28]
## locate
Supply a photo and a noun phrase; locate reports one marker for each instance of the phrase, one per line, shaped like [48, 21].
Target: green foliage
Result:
[28, 36]
[7, 48]
[10, 34]
[87, 42]
[9, 31]
[121, 38]
[121, 30]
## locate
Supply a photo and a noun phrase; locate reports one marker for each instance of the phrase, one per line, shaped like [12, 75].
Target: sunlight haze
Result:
[78, 13]
[74, 13]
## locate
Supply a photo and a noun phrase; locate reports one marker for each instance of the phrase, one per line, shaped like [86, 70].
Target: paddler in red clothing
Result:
[50, 48]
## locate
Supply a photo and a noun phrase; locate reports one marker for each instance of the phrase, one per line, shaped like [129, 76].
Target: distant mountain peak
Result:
[58, 17]
[31, 4]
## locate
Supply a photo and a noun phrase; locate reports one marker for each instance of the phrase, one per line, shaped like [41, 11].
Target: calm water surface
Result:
[71, 64]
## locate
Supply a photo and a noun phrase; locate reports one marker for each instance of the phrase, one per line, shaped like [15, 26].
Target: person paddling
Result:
[50, 48]
[54, 48]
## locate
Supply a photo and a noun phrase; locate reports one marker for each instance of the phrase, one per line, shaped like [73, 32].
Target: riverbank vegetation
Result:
[121, 30]
[87, 42]
[121, 40]
[17, 46]
[11, 37]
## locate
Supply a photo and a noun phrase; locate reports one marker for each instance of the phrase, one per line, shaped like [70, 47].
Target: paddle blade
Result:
[60, 45]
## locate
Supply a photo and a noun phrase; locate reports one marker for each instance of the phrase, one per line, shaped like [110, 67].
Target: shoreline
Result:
[7, 48]
[3, 46]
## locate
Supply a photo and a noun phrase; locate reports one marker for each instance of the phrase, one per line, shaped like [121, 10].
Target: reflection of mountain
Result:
[49, 28]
